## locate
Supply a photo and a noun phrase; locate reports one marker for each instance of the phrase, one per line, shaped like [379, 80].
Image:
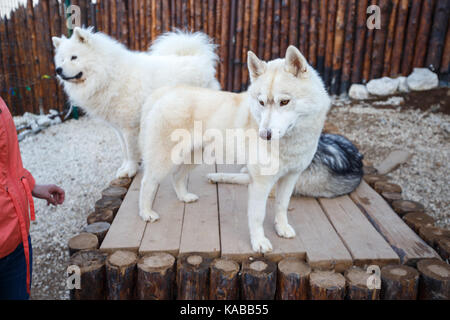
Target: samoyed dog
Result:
[111, 82]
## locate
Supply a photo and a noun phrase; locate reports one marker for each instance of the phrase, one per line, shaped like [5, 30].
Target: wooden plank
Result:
[324, 248]
[200, 231]
[405, 242]
[364, 243]
[128, 227]
[234, 234]
[164, 235]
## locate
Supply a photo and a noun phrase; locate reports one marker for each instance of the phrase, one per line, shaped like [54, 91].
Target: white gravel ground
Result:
[82, 156]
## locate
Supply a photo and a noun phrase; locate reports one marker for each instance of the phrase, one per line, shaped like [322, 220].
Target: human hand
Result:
[52, 193]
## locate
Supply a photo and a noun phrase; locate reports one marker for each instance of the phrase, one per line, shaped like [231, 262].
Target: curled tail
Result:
[182, 43]
[335, 170]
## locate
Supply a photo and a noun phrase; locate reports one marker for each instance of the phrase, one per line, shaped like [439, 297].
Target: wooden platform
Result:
[359, 229]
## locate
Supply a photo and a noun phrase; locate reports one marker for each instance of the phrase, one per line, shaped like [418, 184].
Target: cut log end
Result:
[327, 285]
[258, 279]
[391, 196]
[115, 192]
[121, 182]
[443, 248]
[371, 179]
[98, 229]
[384, 186]
[434, 279]
[224, 280]
[83, 241]
[155, 277]
[121, 275]
[122, 259]
[417, 220]
[193, 277]
[106, 203]
[293, 279]
[432, 235]
[357, 285]
[106, 215]
[399, 282]
[405, 206]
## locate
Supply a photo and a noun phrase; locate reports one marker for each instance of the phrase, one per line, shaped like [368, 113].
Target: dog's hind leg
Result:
[130, 166]
[284, 191]
[258, 192]
[179, 181]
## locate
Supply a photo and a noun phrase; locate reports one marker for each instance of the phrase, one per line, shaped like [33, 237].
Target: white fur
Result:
[116, 81]
[297, 125]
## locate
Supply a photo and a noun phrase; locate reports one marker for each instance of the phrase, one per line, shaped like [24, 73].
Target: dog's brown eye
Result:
[261, 102]
[284, 102]
[73, 57]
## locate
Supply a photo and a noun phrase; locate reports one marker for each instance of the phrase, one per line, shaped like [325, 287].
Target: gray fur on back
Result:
[335, 170]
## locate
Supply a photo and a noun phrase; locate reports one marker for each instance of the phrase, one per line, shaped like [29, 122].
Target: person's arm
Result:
[52, 193]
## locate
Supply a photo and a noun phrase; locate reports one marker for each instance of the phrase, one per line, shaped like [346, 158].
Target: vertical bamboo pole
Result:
[179, 9]
[237, 63]
[338, 46]
[165, 15]
[348, 47]
[224, 43]
[245, 45]
[276, 30]
[322, 36]
[313, 33]
[142, 22]
[331, 23]
[294, 11]
[107, 17]
[413, 25]
[198, 26]
[437, 36]
[231, 48]
[368, 52]
[360, 35]
[304, 21]
[399, 37]
[211, 22]
[390, 39]
[380, 40]
[254, 26]
[268, 35]
[262, 27]
[423, 33]
[204, 19]
[284, 27]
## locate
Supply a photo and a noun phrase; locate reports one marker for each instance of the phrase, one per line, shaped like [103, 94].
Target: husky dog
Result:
[286, 102]
[335, 170]
[111, 82]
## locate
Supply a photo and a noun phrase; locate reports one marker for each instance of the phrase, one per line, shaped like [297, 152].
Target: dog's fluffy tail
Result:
[335, 170]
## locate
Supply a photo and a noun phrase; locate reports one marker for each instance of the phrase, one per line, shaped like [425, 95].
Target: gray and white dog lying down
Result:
[335, 170]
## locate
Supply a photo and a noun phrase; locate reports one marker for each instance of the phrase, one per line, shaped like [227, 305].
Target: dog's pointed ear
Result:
[256, 67]
[295, 62]
[56, 42]
[82, 35]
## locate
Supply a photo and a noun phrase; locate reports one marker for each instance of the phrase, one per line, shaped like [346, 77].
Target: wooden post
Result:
[336, 70]
[121, 182]
[399, 282]
[443, 248]
[156, 277]
[303, 31]
[224, 43]
[416, 220]
[432, 234]
[322, 36]
[405, 206]
[231, 46]
[390, 39]
[413, 25]
[348, 47]
[357, 288]
[437, 36]
[434, 281]
[114, 192]
[380, 40]
[98, 229]
[445, 64]
[276, 30]
[268, 33]
[397, 50]
[92, 275]
[258, 279]
[293, 279]
[108, 203]
[327, 285]
[121, 275]
[313, 31]
[245, 47]
[224, 280]
[383, 186]
[368, 51]
[331, 23]
[106, 215]
[193, 277]
[82, 241]
[420, 48]
[237, 62]
[391, 196]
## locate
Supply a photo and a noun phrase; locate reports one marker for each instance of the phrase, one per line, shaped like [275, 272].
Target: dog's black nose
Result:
[58, 70]
[269, 134]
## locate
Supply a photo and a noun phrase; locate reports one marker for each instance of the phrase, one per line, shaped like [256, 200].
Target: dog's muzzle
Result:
[265, 134]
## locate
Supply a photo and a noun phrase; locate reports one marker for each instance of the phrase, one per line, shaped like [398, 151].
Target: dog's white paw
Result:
[261, 244]
[127, 170]
[149, 215]
[189, 197]
[284, 230]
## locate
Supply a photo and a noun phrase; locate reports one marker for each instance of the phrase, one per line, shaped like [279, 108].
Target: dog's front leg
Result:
[258, 192]
[130, 165]
[284, 191]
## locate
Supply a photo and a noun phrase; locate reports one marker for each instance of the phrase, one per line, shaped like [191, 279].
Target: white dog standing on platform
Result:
[286, 101]
[111, 82]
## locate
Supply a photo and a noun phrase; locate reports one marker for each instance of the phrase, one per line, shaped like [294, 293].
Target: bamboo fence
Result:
[332, 34]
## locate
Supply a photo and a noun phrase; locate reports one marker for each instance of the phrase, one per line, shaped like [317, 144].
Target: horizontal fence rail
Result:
[332, 34]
